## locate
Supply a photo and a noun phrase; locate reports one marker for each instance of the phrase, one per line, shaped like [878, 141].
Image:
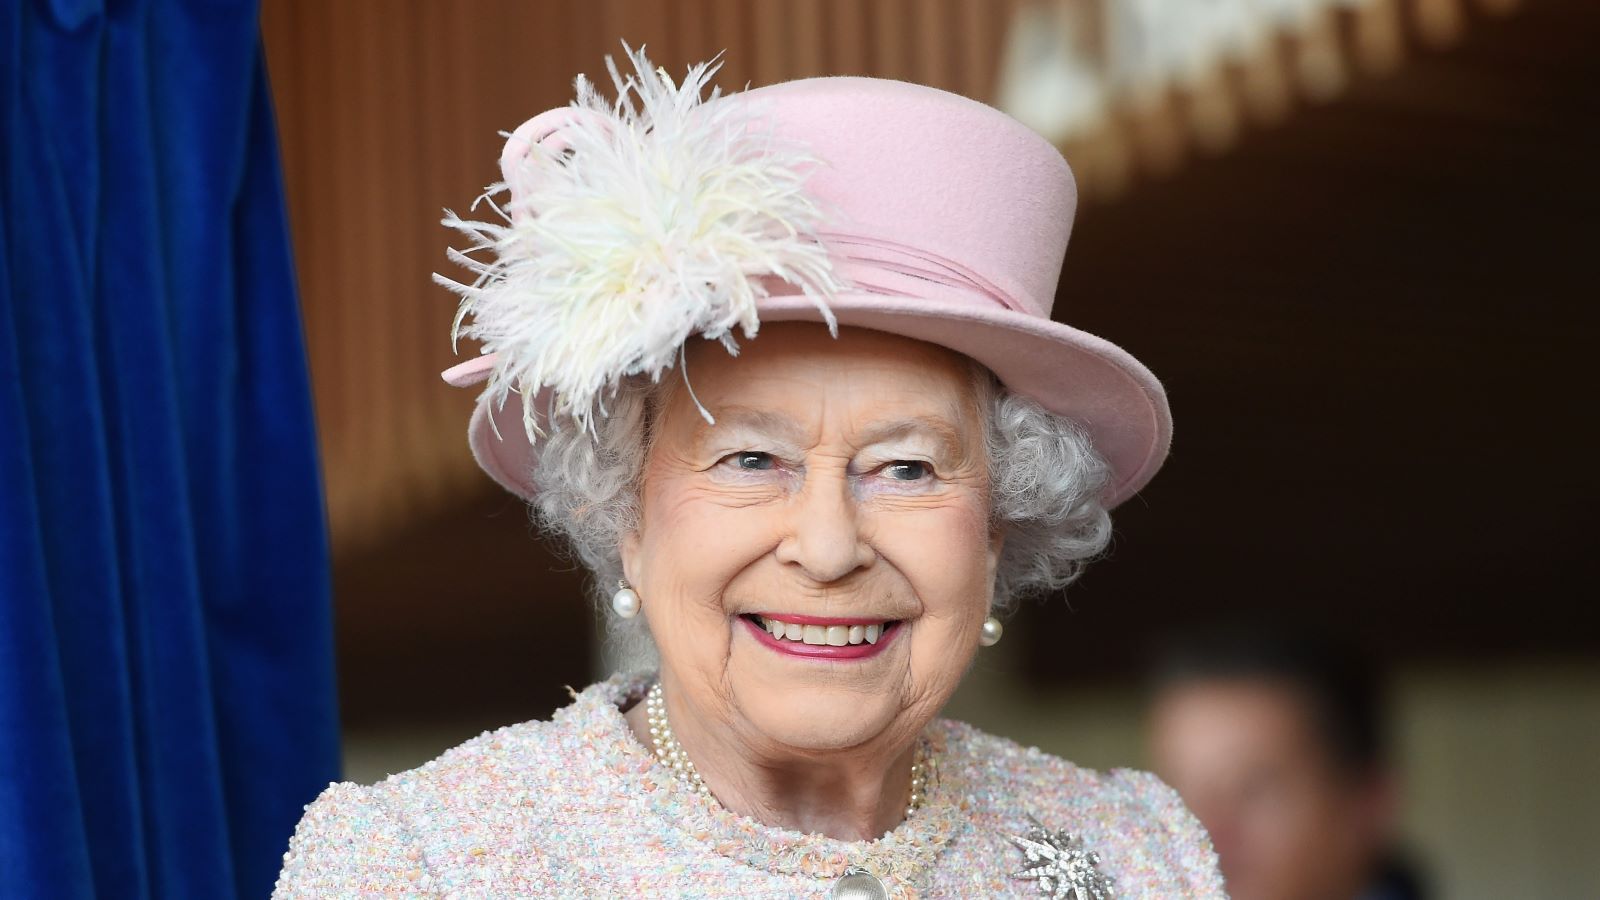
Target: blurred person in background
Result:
[1276, 738]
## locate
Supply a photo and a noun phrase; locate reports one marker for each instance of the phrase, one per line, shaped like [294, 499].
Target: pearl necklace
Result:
[671, 754]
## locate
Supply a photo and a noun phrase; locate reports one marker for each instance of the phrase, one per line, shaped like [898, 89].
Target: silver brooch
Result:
[1062, 865]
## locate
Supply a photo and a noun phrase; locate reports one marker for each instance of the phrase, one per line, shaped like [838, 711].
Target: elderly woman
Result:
[812, 529]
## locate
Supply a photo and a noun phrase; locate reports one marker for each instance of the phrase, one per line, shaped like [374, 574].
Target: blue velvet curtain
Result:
[166, 683]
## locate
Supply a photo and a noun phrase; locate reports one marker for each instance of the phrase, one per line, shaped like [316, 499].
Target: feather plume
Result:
[649, 219]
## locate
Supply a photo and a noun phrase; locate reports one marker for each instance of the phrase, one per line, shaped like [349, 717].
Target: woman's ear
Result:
[629, 551]
[997, 544]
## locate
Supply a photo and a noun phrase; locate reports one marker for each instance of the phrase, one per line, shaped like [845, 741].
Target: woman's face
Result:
[841, 498]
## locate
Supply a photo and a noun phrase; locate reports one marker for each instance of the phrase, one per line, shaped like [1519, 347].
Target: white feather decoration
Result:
[649, 220]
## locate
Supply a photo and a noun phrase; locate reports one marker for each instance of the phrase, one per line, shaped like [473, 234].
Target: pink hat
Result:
[942, 220]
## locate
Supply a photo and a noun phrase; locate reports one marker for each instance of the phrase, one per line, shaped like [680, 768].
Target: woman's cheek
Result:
[707, 541]
[943, 551]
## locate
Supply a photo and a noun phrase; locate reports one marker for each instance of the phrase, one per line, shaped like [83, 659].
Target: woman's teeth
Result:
[823, 635]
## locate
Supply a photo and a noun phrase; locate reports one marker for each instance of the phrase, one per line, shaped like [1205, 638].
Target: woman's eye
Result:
[753, 460]
[907, 470]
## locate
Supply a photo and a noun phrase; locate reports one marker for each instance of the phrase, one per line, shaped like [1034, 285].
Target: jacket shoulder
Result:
[349, 844]
[415, 831]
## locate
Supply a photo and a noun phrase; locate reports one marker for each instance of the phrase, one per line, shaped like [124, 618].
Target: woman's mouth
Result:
[824, 638]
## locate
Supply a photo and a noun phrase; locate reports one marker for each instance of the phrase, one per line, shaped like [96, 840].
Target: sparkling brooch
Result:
[1062, 865]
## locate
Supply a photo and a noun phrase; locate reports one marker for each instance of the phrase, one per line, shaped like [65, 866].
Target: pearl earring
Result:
[625, 602]
[990, 635]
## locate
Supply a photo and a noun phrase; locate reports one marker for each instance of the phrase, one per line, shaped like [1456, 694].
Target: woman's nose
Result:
[824, 538]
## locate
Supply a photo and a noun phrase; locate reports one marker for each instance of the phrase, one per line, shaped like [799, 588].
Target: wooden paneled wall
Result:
[390, 110]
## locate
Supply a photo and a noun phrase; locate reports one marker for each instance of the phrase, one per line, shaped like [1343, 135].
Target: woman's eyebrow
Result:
[749, 420]
[943, 432]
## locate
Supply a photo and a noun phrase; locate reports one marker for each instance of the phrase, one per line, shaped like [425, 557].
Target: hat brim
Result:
[1072, 373]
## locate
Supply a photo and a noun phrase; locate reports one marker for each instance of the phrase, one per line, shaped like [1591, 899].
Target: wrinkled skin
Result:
[843, 477]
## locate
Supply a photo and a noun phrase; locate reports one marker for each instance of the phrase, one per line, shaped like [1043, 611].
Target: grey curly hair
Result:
[1045, 484]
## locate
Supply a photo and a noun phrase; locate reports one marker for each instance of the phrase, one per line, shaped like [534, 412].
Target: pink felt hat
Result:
[948, 221]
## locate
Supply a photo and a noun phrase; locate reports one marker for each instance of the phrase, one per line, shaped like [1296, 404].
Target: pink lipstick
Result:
[819, 637]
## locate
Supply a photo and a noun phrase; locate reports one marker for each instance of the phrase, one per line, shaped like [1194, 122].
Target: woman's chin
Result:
[820, 722]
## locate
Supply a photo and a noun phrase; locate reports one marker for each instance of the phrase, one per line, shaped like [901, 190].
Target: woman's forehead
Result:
[790, 382]
[866, 426]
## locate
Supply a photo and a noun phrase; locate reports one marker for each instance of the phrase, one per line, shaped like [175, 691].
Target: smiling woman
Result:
[1043, 479]
[866, 506]
[821, 524]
